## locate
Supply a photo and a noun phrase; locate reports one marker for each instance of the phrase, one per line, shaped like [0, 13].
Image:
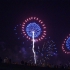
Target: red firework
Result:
[63, 45]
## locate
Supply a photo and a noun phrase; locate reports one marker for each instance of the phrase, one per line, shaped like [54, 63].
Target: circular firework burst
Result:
[36, 25]
[66, 45]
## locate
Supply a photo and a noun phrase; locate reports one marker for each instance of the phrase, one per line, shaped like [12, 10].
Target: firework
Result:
[66, 45]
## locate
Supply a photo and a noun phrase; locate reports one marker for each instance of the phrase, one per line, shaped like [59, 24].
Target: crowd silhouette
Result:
[6, 64]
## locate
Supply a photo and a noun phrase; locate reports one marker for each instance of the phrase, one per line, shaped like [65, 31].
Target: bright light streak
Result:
[33, 48]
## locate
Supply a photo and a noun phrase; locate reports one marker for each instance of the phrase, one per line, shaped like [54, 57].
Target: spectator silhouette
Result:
[25, 63]
[0, 60]
[22, 62]
[10, 61]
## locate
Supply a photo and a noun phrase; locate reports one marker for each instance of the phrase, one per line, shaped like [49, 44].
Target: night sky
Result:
[55, 14]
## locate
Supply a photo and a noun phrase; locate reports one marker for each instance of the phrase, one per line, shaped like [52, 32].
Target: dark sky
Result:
[54, 13]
